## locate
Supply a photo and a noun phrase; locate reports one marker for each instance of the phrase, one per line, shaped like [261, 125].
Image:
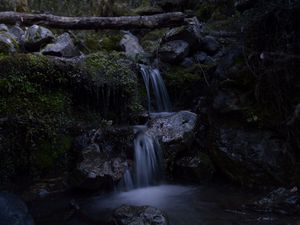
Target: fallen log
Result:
[94, 23]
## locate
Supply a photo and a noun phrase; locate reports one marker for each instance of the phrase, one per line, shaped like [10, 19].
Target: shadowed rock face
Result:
[37, 37]
[174, 51]
[13, 211]
[142, 215]
[252, 157]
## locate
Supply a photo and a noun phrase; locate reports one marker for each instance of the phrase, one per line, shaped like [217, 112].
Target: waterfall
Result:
[148, 159]
[152, 78]
[148, 155]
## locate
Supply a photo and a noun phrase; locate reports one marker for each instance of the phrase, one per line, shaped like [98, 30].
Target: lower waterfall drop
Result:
[148, 159]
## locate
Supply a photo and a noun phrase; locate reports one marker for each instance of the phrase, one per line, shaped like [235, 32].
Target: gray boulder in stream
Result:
[62, 47]
[13, 211]
[172, 127]
[139, 215]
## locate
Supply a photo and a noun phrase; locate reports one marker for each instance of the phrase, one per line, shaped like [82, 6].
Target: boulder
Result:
[252, 157]
[17, 32]
[187, 62]
[101, 158]
[96, 171]
[210, 45]
[173, 127]
[13, 211]
[201, 57]
[281, 201]
[141, 215]
[3, 27]
[195, 168]
[36, 37]
[131, 45]
[62, 47]
[8, 43]
[174, 51]
[190, 34]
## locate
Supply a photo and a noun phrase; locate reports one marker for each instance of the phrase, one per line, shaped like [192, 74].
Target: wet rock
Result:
[101, 158]
[96, 171]
[172, 127]
[3, 27]
[195, 168]
[252, 156]
[142, 215]
[282, 201]
[8, 43]
[210, 45]
[62, 47]
[131, 45]
[226, 102]
[13, 211]
[36, 37]
[174, 51]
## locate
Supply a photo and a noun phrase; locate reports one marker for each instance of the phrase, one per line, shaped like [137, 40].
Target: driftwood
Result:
[94, 23]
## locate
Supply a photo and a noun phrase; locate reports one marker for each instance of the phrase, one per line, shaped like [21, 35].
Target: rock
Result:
[281, 201]
[101, 158]
[131, 45]
[226, 102]
[13, 211]
[141, 215]
[252, 157]
[36, 37]
[3, 27]
[17, 32]
[174, 51]
[187, 62]
[62, 47]
[172, 127]
[210, 45]
[190, 34]
[243, 5]
[200, 57]
[195, 168]
[8, 43]
[96, 171]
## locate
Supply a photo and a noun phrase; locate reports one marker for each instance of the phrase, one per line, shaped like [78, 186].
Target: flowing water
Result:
[153, 81]
[214, 204]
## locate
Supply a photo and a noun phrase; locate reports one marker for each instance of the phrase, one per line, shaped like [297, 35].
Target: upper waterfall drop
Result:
[153, 81]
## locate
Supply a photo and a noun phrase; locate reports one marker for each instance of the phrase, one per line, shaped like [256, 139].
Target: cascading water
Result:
[148, 155]
[148, 159]
[152, 77]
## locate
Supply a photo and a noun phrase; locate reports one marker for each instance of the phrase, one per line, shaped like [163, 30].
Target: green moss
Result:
[151, 40]
[111, 43]
[183, 84]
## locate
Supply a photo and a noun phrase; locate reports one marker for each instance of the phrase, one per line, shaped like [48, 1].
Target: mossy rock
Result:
[186, 84]
[115, 83]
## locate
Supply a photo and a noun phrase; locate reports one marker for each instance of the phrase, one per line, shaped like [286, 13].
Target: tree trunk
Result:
[94, 23]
